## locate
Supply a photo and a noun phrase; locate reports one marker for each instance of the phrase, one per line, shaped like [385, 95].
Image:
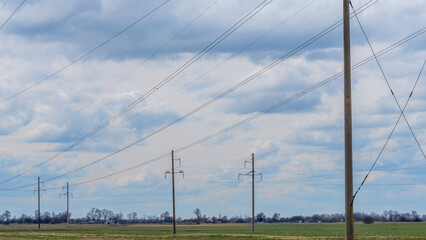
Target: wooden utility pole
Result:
[38, 181]
[252, 192]
[251, 173]
[349, 212]
[173, 191]
[173, 187]
[68, 205]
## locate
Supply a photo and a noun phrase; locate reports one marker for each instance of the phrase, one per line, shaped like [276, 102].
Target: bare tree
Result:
[260, 217]
[132, 216]
[104, 214]
[5, 216]
[197, 213]
[165, 217]
[276, 217]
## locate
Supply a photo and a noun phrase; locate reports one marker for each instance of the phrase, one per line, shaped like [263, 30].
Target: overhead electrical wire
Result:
[380, 170]
[82, 56]
[124, 77]
[305, 178]
[230, 57]
[387, 82]
[156, 159]
[218, 40]
[355, 66]
[5, 2]
[212, 186]
[416, 34]
[196, 79]
[286, 101]
[316, 183]
[252, 117]
[371, 2]
[11, 15]
[223, 94]
[396, 184]
[396, 100]
[391, 133]
[313, 39]
[364, 7]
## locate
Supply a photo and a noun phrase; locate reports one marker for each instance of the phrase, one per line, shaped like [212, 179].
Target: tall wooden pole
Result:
[68, 205]
[38, 217]
[252, 192]
[349, 218]
[173, 191]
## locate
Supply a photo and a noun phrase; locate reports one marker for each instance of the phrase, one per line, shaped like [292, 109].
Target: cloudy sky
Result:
[97, 93]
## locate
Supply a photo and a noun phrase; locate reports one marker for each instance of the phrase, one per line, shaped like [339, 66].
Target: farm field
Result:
[224, 231]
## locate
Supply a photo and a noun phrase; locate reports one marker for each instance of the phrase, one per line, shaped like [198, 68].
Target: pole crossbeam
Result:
[250, 174]
[174, 172]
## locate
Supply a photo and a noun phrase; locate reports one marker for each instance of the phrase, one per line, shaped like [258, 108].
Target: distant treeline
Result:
[106, 216]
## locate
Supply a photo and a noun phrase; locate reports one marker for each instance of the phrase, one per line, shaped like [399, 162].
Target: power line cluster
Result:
[170, 77]
[189, 63]
[250, 118]
[396, 101]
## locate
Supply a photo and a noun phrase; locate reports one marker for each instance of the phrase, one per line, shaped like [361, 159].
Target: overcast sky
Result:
[298, 147]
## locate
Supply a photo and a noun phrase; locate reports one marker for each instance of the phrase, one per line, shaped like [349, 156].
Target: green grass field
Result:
[263, 231]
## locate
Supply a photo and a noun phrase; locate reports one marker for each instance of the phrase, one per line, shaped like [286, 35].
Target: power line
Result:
[297, 178]
[181, 196]
[223, 94]
[252, 117]
[229, 31]
[387, 82]
[241, 50]
[127, 75]
[11, 15]
[355, 66]
[84, 55]
[361, 9]
[150, 56]
[5, 2]
[396, 184]
[312, 163]
[232, 56]
[382, 169]
[218, 40]
[275, 63]
[393, 46]
[390, 135]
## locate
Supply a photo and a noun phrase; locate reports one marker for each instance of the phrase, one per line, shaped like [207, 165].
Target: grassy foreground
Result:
[225, 231]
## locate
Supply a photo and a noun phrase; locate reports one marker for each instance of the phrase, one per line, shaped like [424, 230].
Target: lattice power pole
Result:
[173, 186]
[252, 173]
[68, 203]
